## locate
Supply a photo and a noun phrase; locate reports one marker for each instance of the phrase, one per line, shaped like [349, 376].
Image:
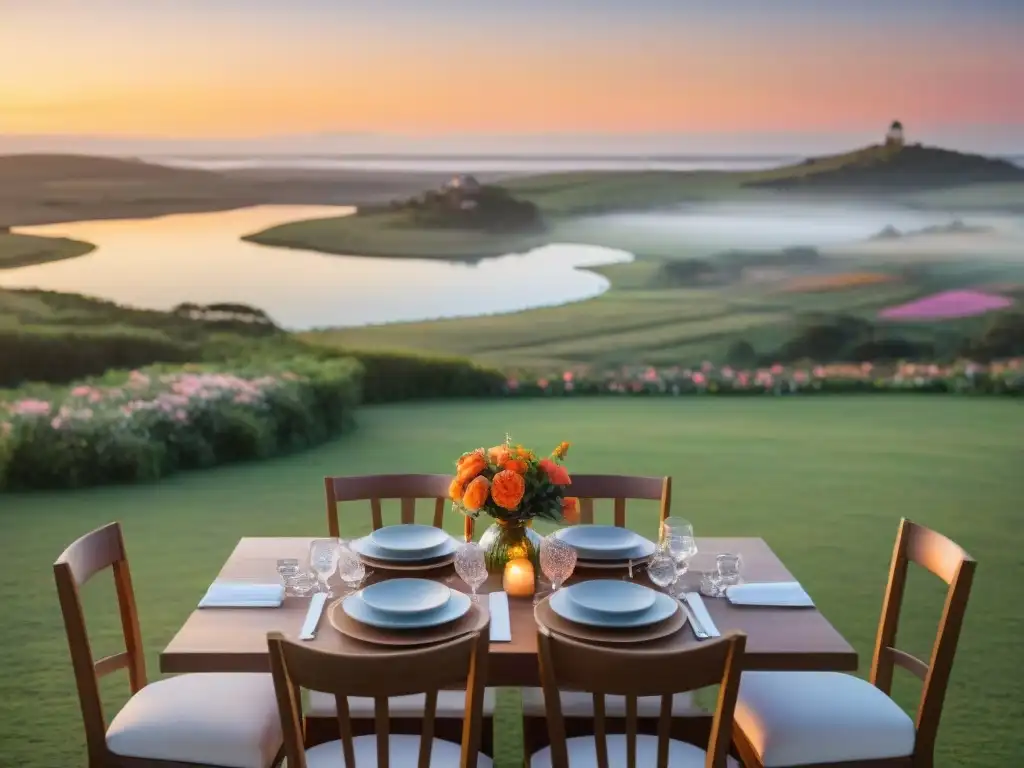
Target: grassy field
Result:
[24, 250]
[824, 481]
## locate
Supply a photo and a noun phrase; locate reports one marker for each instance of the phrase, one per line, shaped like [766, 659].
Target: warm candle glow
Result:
[518, 579]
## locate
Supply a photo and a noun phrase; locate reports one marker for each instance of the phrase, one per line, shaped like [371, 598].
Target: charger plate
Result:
[546, 617]
[476, 619]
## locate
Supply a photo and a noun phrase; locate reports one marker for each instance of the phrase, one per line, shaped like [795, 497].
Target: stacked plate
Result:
[605, 546]
[612, 604]
[406, 604]
[406, 547]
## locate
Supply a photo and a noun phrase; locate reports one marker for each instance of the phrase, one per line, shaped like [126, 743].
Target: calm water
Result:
[158, 263]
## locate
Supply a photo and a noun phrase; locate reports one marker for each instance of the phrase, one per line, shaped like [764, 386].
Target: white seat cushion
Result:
[404, 753]
[579, 704]
[583, 753]
[802, 718]
[228, 720]
[449, 704]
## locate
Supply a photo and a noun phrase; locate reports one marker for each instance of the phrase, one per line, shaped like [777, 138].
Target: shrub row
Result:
[143, 425]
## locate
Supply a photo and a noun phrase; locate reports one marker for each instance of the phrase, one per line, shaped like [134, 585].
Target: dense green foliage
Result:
[125, 428]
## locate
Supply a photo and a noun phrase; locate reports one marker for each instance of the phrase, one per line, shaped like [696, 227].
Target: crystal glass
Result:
[471, 566]
[728, 567]
[288, 569]
[323, 559]
[303, 583]
[351, 569]
[661, 570]
[557, 560]
[677, 538]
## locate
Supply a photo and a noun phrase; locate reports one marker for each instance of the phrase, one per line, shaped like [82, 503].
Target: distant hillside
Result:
[886, 168]
[41, 169]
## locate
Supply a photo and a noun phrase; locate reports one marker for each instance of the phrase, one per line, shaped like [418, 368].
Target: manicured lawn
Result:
[824, 480]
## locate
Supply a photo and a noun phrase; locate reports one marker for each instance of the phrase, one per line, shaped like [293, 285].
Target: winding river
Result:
[198, 257]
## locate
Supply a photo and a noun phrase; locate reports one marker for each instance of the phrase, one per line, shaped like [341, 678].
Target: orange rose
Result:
[499, 454]
[507, 489]
[471, 466]
[455, 490]
[523, 453]
[561, 450]
[571, 510]
[556, 473]
[515, 465]
[476, 494]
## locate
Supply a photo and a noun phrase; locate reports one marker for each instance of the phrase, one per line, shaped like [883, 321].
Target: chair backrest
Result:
[375, 488]
[604, 670]
[587, 488]
[92, 553]
[379, 676]
[947, 560]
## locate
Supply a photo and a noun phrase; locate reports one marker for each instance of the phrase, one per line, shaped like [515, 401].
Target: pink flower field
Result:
[948, 304]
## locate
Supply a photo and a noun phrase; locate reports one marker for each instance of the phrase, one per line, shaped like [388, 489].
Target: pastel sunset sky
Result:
[249, 68]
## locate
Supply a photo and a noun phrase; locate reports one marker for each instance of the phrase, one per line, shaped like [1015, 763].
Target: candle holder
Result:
[518, 579]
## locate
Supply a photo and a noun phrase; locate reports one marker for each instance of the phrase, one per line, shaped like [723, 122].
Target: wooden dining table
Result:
[235, 639]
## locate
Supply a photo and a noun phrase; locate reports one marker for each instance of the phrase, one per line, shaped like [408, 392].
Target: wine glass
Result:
[351, 569]
[678, 540]
[323, 559]
[471, 566]
[557, 560]
[661, 570]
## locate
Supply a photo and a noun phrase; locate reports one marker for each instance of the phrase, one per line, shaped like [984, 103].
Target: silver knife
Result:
[698, 628]
[316, 607]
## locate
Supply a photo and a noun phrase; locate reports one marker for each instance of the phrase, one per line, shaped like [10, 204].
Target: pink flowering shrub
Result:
[148, 423]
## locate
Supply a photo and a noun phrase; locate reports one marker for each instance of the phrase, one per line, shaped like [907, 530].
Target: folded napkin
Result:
[501, 621]
[235, 594]
[787, 594]
[700, 612]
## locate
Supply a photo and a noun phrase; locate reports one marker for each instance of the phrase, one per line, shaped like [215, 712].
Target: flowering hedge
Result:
[999, 378]
[142, 425]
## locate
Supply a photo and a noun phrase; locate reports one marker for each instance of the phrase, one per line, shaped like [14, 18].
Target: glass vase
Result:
[504, 541]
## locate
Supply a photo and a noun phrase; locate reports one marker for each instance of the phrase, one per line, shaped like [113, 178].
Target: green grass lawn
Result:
[823, 480]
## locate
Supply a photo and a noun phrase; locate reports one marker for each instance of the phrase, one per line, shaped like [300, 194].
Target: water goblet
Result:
[471, 566]
[661, 570]
[728, 567]
[557, 561]
[351, 569]
[323, 559]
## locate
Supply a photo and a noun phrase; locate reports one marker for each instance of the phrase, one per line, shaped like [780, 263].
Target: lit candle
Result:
[518, 579]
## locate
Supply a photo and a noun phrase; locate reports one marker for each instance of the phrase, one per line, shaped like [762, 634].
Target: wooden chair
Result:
[382, 678]
[576, 707]
[633, 673]
[227, 720]
[832, 719]
[321, 715]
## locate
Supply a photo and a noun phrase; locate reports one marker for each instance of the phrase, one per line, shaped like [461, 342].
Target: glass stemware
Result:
[323, 559]
[661, 570]
[351, 569]
[471, 566]
[677, 538]
[557, 562]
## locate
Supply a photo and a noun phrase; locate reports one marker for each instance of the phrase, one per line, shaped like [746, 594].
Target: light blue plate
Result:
[664, 606]
[598, 540]
[612, 597]
[457, 606]
[366, 547]
[406, 596]
[408, 539]
[643, 549]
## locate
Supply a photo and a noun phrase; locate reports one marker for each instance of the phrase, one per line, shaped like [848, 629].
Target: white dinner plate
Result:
[408, 539]
[562, 604]
[365, 546]
[612, 596]
[598, 541]
[457, 606]
[643, 549]
[406, 596]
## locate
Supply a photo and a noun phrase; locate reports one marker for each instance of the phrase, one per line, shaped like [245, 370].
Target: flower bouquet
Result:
[512, 485]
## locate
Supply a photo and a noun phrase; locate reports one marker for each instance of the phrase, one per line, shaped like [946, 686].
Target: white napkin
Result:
[700, 611]
[782, 593]
[501, 621]
[316, 607]
[235, 594]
